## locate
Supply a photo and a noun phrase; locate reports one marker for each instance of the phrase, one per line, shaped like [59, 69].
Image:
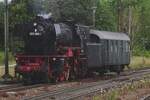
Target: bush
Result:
[1, 58]
[11, 58]
[141, 52]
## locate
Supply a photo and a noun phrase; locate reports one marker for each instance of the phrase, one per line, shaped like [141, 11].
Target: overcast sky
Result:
[3, 0]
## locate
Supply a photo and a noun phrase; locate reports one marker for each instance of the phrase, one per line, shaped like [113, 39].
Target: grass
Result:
[127, 89]
[1, 58]
[139, 62]
[11, 61]
[11, 71]
[11, 58]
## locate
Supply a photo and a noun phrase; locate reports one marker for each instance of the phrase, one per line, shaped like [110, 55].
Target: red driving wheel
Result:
[66, 72]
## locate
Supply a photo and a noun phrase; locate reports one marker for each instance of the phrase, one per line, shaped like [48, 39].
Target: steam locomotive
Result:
[64, 51]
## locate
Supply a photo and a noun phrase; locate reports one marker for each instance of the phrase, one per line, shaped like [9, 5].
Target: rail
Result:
[75, 92]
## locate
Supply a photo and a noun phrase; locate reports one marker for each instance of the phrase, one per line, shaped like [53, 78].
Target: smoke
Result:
[46, 16]
[47, 6]
[39, 6]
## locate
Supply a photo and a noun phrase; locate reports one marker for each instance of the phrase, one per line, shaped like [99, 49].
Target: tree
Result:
[76, 10]
[105, 16]
[21, 11]
[144, 23]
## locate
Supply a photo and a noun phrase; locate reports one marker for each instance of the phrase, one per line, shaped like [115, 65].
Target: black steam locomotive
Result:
[64, 51]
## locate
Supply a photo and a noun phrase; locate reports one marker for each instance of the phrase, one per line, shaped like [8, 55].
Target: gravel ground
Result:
[139, 94]
[32, 92]
[47, 88]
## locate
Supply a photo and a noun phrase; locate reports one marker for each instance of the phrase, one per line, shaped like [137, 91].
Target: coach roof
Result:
[110, 35]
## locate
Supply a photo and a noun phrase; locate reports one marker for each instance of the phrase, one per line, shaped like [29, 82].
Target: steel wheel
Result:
[66, 72]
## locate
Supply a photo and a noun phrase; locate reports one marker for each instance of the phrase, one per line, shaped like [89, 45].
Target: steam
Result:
[45, 16]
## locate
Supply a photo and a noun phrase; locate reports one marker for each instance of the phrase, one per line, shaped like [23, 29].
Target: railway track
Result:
[17, 87]
[76, 92]
[147, 97]
[9, 86]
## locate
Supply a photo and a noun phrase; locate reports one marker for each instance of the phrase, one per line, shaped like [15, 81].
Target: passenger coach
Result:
[108, 51]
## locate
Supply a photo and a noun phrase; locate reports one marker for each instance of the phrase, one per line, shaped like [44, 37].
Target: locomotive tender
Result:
[64, 51]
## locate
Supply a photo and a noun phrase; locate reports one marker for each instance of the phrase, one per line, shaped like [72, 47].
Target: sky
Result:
[3, 0]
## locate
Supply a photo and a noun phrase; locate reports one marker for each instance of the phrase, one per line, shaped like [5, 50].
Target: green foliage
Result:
[113, 95]
[1, 58]
[1, 12]
[1, 25]
[105, 16]
[21, 11]
[141, 52]
[11, 58]
[145, 22]
[77, 10]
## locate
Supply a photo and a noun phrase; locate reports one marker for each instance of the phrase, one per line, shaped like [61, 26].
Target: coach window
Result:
[111, 46]
[126, 46]
[121, 46]
[94, 39]
[116, 46]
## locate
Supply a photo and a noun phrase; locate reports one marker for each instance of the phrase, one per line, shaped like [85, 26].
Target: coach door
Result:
[94, 51]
